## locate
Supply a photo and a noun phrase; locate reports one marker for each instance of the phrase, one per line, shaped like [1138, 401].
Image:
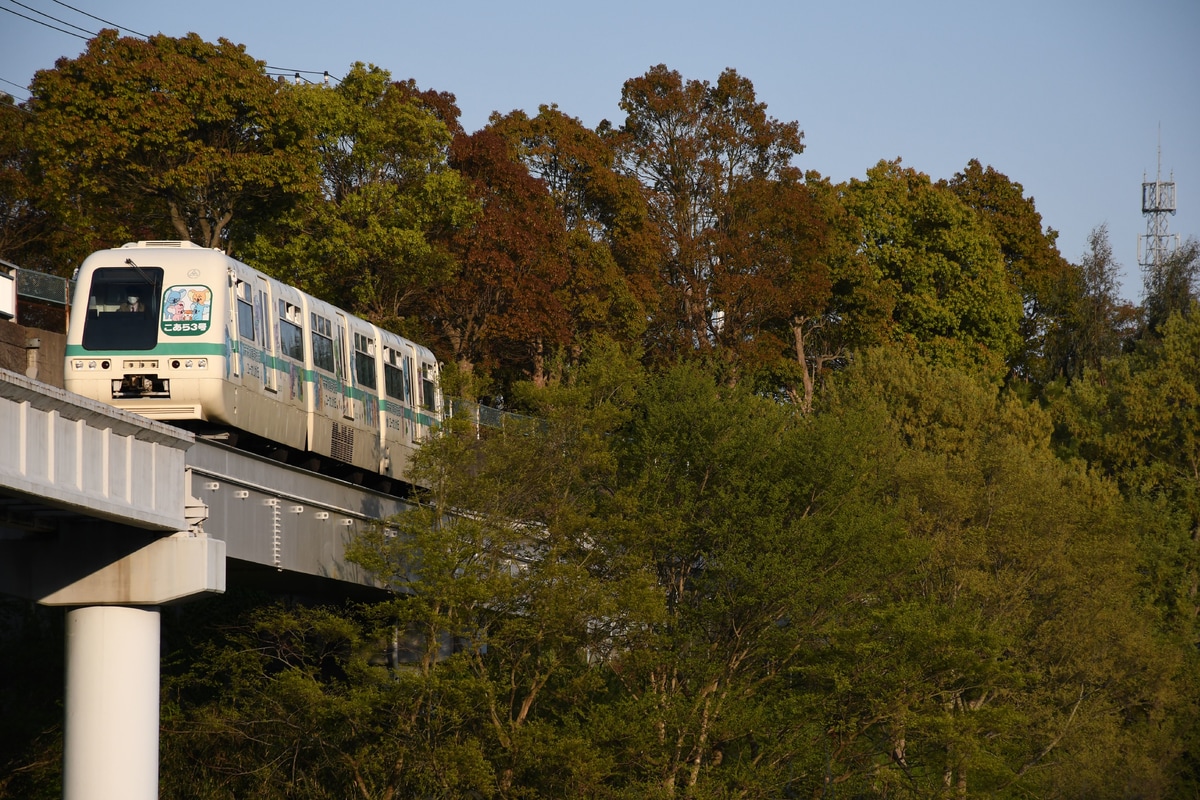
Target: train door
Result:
[242, 313]
[414, 430]
[340, 345]
[248, 360]
[266, 330]
[366, 381]
[393, 388]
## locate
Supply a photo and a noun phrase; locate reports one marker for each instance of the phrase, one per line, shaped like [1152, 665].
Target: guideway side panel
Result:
[91, 457]
[280, 516]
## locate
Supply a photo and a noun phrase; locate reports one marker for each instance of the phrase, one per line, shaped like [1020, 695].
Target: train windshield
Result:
[122, 310]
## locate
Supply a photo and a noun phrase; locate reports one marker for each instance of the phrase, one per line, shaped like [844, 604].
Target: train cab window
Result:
[291, 337]
[364, 361]
[395, 382]
[428, 386]
[123, 308]
[245, 312]
[322, 342]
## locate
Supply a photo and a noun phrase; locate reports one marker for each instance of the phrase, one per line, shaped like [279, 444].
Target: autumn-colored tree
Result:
[692, 145]
[504, 310]
[776, 283]
[166, 137]
[27, 235]
[611, 246]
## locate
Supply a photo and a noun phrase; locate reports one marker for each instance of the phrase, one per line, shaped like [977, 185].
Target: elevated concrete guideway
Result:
[274, 515]
[113, 515]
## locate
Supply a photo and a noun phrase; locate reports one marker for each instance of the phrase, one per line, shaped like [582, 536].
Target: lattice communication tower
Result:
[1158, 203]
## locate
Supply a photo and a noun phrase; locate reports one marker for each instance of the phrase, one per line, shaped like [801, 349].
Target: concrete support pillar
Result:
[112, 694]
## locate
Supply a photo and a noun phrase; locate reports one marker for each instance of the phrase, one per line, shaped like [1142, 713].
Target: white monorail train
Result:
[174, 331]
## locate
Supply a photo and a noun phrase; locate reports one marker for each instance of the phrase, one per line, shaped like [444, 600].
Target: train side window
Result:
[428, 391]
[245, 312]
[291, 337]
[393, 374]
[364, 361]
[322, 342]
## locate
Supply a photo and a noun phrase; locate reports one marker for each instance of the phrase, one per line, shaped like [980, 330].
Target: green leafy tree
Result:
[762, 532]
[1100, 321]
[1048, 283]
[939, 262]
[666, 586]
[373, 237]
[1138, 419]
[1017, 657]
[1173, 287]
[294, 701]
[166, 137]
[529, 596]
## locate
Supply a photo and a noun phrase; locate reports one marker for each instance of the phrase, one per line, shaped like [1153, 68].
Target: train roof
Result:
[178, 243]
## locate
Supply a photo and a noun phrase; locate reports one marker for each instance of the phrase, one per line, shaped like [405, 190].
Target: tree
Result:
[1017, 656]
[373, 238]
[761, 529]
[666, 586]
[533, 590]
[1099, 320]
[610, 243]
[1172, 287]
[26, 231]
[1047, 282]
[166, 137]
[1137, 419]
[298, 702]
[690, 145]
[777, 284]
[942, 267]
[505, 309]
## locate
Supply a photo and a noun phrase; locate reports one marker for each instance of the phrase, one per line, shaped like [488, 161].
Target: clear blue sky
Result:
[1066, 97]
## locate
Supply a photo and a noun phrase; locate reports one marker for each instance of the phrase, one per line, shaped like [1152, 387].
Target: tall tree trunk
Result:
[801, 358]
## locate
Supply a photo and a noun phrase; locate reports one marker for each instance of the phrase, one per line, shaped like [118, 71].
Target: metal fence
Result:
[34, 299]
[44, 288]
[492, 417]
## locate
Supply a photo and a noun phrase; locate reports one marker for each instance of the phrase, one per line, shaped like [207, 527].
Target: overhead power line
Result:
[287, 73]
[48, 16]
[46, 24]
[98, 19]
[301, 71]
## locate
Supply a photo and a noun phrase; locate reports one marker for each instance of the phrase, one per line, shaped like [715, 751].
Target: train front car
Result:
[148, 330]
[177, 332]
